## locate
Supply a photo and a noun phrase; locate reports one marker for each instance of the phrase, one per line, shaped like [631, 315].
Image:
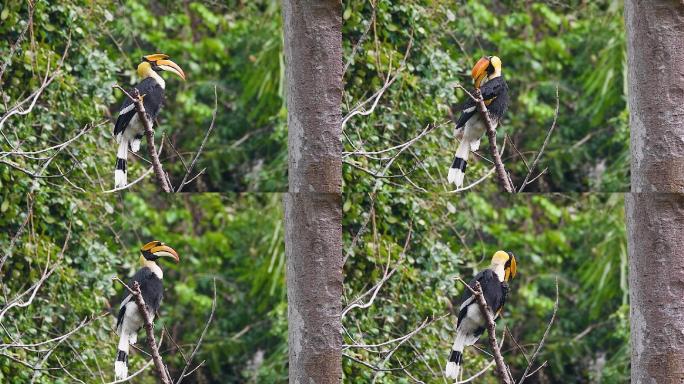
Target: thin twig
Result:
[541, 151]
[543, 339]
[199, 341]
[386, 276]
[204, 141]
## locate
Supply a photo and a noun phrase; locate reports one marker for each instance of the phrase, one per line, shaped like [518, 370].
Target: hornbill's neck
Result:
[499, 270]
[152, 265]
[497, 73]
[145, 71]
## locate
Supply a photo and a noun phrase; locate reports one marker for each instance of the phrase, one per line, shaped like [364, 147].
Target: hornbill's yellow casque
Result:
[470, 125]
[471, 321]
[130, 320]
[128, 128]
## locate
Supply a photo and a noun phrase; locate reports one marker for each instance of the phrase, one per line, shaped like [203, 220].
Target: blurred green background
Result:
[578, 239]
[235, 46]
[577, 46]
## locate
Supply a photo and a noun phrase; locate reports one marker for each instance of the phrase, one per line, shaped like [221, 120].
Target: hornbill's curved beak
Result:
[514, 265]
[160, 249]
[164, 250]
[480, 71]
[162, 62]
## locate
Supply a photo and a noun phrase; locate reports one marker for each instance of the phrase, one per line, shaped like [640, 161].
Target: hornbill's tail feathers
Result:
[121, 364]
[120, 172]
[453, 367]
[458, 167]
[464, 336]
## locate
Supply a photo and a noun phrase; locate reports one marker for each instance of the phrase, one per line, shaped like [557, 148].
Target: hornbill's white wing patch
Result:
[125, 301]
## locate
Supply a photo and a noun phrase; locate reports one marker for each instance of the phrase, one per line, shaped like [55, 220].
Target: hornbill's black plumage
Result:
[471, 321]
[128, 129]
[130, 320]
[470, 125]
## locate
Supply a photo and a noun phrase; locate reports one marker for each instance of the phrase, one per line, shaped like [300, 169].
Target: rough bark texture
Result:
[656, 283]
[655, 47]
[313, 206]
[313, 72]
[313, 245]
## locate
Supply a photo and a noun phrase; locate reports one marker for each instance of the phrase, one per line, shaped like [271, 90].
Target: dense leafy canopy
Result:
[236, 240]
[234, 47]
[577, 46]
[577, 239]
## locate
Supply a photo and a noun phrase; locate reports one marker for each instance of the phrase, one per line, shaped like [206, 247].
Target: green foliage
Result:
[235, 48]
[234, 240]
[577, 46]
[578, 239]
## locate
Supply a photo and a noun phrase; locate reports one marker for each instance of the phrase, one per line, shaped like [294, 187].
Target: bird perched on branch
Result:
[130, 320]
[470, 126]
[128, 129]
[471, 321]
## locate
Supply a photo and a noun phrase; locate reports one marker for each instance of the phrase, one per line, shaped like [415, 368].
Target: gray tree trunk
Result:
[655, 221]
[656, 284]
[313, 206]
[655, 47]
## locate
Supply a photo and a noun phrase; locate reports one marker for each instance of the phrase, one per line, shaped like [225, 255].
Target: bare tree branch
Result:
[504, 181]
[33, 97]
[491, 331]
[33, 290]
[137, 100]
[149, 329]
[386, 275]
[58, 147]
[375, 98]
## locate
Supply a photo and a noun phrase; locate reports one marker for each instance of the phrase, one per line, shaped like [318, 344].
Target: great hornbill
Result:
[470, 125]
[129, 129]
[130, 320]
[471, 321]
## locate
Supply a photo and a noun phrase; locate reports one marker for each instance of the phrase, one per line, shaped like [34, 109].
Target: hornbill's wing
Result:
[490, 90]
[126, 113]
[152, 100]
[127, 297]
[467, 110]
[495, 94]
[150, 287]
[491, 288]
